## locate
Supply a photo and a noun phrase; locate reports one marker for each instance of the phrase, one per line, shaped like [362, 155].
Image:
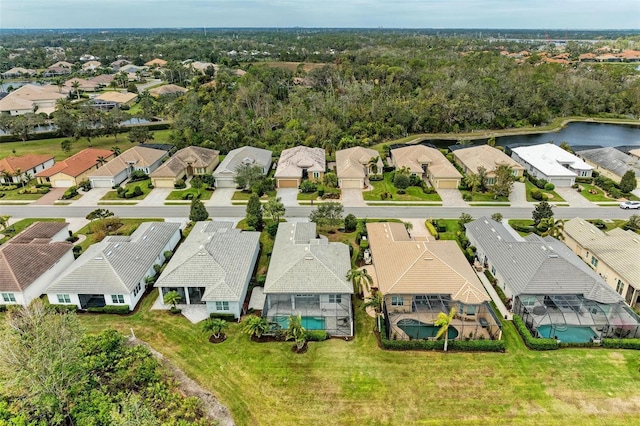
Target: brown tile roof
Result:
[156, 61]
[38, 230]
[197, 156]
[486, 156]
[138, 156]
[118, 97]
[406, 266]
[354, 162]
[77, 163]
[104, 79]
[167, 89]
[413, 156]
[24, 162]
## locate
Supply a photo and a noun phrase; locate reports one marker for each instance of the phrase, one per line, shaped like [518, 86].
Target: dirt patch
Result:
[214, 339]
[585, 403]
[302, 350]
[213, 409]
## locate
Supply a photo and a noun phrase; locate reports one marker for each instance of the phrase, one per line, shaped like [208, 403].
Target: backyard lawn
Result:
[413, 193]
[205, 194]
[356, 383]
[129, 187]
[553, 196]
[21, 225]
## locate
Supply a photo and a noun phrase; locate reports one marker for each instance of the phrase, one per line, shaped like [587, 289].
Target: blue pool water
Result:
[419, 330]
[567, 334]
[309, 323]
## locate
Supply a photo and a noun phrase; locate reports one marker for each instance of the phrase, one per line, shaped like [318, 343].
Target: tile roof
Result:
[26, 96]
[354, 162]
[215, 256]
[84, 84]
[635, 152]
[194, 155]
[138, 156]
[167, 89]
[156, 61]
[293, 160]
[618, 248]
[548, 158]
[24, 162]
[414, 156]
[103, 79]
[244, 155]
[116, 265]
[406, 266]
[77, 163]
[302, 263]
[117, 97]
[31, 253]
[612, 159]
[536, 265]
[484, 156]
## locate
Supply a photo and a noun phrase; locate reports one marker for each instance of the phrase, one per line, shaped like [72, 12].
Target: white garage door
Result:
[225, 183]
[351, 183]
[62, 183]
[101, 183]
[562, 182]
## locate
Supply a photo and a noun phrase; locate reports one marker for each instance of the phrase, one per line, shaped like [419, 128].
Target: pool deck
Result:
[464, 327]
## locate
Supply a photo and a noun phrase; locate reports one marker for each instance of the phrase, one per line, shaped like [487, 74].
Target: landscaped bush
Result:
[8, 187]
[316, 335]
[63, 308]
[457, 345]
[180, 184]
[70, 193]
[532, 342]
[364, 244]
[207, 179]
[226, 317]
[308, 187]
[584, 179]
[549, 186]
[615, 193]
[401, 181]
[138, 175]
[431, 229]
[621, 343]
[110, 309]
[442, 225]
[272, 229]
[477, 345]
[350, 223]
[175, 311]
[3, 308]
[598, 223]
[73, 238]
[466, 197]
[536, 194]
[85, 185]
[260, 280]
[375, 178]
[320, 191]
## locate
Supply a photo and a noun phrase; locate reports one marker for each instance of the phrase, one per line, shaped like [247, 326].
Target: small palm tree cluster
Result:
[296, 331]
[360, 279]
[444, 321]
[215, 326]
[255, 326]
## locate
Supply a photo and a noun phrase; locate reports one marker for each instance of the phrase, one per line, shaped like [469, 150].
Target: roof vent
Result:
[543, 248]
[308, 257]
[553, 256]
[427, 258]
[98, 258]
[109, 253]
[117, 245]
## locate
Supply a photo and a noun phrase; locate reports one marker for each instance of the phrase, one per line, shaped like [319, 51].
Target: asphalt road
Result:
[304, 211]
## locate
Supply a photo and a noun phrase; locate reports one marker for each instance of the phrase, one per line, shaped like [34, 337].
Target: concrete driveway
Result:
[156, 197]
[573, 197]
[518, 196]
[91, 198]
[452, 198]
[352, 198]
[289, 196]
[221, 197]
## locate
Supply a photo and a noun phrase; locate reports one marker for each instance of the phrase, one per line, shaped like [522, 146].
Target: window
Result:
[117, 298]
[137, 289]
[587, 255]
[335, 298]
[63, 298]
[594, 262]
[8, 297]
[515, 173]
[619, 287]
[584, 173]
[316, 175]
[491, 181]
[397, 301]
[493, 271]
[222, 306]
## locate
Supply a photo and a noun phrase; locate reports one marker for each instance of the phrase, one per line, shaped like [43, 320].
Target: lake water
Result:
[15, 84]
[50, 127]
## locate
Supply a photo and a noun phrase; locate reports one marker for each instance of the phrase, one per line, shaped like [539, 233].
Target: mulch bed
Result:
[213, 339]
[303, 350]
[265, 339]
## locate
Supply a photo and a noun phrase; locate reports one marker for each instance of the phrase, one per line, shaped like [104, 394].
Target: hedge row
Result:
[316, 335]
[110, 309]
[456, 345]
[226, 317]
[621, 343]
[63, 308]
[532, 342]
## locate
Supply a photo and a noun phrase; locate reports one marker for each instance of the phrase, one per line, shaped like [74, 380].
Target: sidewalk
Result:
[504, 312]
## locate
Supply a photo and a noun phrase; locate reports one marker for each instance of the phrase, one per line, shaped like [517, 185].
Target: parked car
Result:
[630, 205]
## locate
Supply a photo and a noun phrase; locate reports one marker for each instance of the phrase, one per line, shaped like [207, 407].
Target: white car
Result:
[630, 205]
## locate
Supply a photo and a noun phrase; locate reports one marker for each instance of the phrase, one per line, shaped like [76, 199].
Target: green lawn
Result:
[52, 146]
[14, 195]
[127, 228]
[553, 196]
[452, 230]
[205, 194]
[266, 247]
[143, 184]
[484, 197]
[356, 383]
[599, 195]
[413, 193]
[244, 195]
[21, 225]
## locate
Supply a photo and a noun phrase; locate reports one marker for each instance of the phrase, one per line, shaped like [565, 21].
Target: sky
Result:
[543, 14]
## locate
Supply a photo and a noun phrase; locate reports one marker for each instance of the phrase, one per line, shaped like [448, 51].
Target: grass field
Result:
[413, 193]
[356, 383]
[52, 146]
[129, 187]
[179, 193]
[244, 195]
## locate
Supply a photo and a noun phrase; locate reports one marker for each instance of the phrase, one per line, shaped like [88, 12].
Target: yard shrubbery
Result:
[532, 342]
[109, 309]
[455, 345]
[316, 335]
[621, 343]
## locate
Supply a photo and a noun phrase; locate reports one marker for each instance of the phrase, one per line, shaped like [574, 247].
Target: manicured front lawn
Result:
[143, 184]
[356, 383]
[14, 193]
[412, 193]
[244, 195]
[599, 195]
[484, 196]
[452, 230]
[178, 194]
[553, 196]
[21, 225]
[127, 228]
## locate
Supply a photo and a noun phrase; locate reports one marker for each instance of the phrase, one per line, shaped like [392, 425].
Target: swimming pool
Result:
[567, 334]
[309, 323]
[419, 330]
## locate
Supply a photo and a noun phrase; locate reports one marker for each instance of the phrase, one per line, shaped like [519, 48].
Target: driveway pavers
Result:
[221, 197]
[289, 196]
[50, 197]
[574, 198]
[452, 198]
[353, 198]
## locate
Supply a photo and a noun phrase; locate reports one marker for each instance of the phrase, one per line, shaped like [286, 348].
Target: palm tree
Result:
[274, 208]
[554, 227]
[215, 326]
[296, 331]
[360, 279]
[172, 298]
[76, 87]
[101, 160]
[255, 326]
[63, 104]
[404, 170]
[18, 174]
[444, 321]
[376, 302]
[116, 150]
[473, 181]
[7, 176]
[4, 222]
[373, 165]
[60, 84]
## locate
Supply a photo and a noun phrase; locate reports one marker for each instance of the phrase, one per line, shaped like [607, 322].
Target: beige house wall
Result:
[408, 299]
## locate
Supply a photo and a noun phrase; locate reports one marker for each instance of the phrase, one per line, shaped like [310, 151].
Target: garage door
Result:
[287, 183]
[225, 183]
[163, 183]
[351, 183]
[562, 182]
[101, 183]
[447, 184]
[62, 183]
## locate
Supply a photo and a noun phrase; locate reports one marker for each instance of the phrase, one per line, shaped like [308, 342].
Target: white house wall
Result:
[53, 299]
[234, 308]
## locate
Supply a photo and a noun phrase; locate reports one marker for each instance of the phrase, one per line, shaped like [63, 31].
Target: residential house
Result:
[33, 259]
[102, 80]
[59, 68]
[352, 166]
[116, 65]
[613, 255]
[420, 279]
[307, 277]
[225, 173]
[167, 90]
[91, 65]
[18, 169]
[32, 98]
[110, 100]
[202, 66]
[115, 270]
[472, 158]
[300, 163]
[187, 162]
[550, 162]
[87, 57]
[156, 63]
[635, 152]
[132, 69]
[213, 267]
[75, 169]
[551, 288]
[62, 64]
[611, 162]
[427, 163]
[120, 168]
[84, 85]
[18, 72]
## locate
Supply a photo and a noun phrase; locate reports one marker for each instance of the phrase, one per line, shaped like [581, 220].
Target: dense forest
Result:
[364, 86]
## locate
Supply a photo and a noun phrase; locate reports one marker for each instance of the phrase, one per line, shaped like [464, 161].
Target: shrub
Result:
[226, 317]
[175, 311]
[364, 244]
[536, 194]
[137, 191]
[150, 185]
[431, 229]
[85, 185]
[584, 179]
[187, 196]
[375, 178]
[549, 187]
[532, 342]
[73, 238]
[3, 308]
[208, 179]
[401, 191]
[272, 229]
[70, 193]
[615, 193]
[260, 280]
[442, 225]
[308, 187]
[8, 187]
[63, 308]
[430, 345]
[598, 223]
[138, 175]
[180, 184]
[401, 181]
[467, 197]
[321, 192]
[110, 309]
[541, 183]
[316, 335]
[429, 189]
[350, 223]
[621, 343]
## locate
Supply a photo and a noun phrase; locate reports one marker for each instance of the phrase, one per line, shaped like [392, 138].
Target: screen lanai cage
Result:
[413, 317]
[574, 319]
[329, 312]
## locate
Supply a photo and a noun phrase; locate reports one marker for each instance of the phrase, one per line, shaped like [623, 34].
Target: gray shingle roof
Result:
[611, 159]
[216, 256]
[116, 264]
[244, 155]
[302, 263]
[538, 265]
